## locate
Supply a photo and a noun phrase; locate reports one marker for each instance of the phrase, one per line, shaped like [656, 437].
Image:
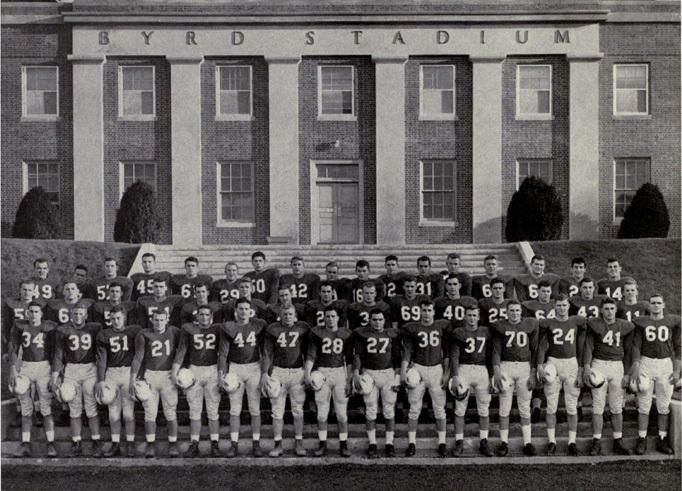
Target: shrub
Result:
[138, 220]
[534, 212]
[647, 215]
[36, 217]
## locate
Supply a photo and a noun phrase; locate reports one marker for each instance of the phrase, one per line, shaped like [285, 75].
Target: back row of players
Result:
[425, 342]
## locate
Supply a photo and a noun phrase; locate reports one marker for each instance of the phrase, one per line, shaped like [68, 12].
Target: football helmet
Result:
[67, 391]
[640, 384]
[143, 392]
[108, 394]
[365, 384]
[507, 383]
[273, 386]
[231, 382]
[22, 384]
[550, 373]
[596, 379]
[317, 380]
[185, 378]
[459, 390]
[413, 378]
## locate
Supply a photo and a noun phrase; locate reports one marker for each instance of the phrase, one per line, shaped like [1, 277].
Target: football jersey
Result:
[465, 282]
[526, 285]
[190, 309]
[102, 287]
[393, 284]
[117, 346]
[569, 286]
[491, 311]
[143, 283]
[404, 310]
[224, 290]
[342, 289]
[286, 345]
[36, 342]
[202, 345]
[59, 311]
[146, 306]
[265, 284]
[241, 343]
[44, 289]
[314, 312]
[589, 309]
[377, 350]
[303, 289]
[75, 345]
[515, 342]
[472, 347]
[14, 310]
[612, 288]
[100, 312]
[608, 340]
[452, 309]
[330, 349]
[87, 290]
[259, 310]
[181, 285]
[656, 338]
[563, 339]
[538, 310]
[426, 344]
[157, 350]
[631, 312]
[431, 285]
[480, 287]
[355, 289]
[358, 314]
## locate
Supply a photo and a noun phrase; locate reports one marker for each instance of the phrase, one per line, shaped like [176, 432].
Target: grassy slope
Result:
[654, 263]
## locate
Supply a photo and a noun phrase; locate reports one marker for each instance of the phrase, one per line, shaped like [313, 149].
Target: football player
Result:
[304, 286]
[570, 285]
[115, 351]
[330, 351]
[608, 340]
[393, 279]
[15, 310]
[199, 340]
[377, 354]
[612, 285]
[80, 277]
[44, 287]
[259, 309]
[542, 307]
[630, 308]
[58, 310]
[101, 311]
[111, 274]
[183, 284]
[314, 310]
[241, 343]
[358, 313]
[362, 271]
[341, 285]
[586, 303]
[494, 307]
[155, 351]
[226, 289]
[284, 348]
[75, 352]
[143, 283]
[284, 302]
[453, 264]
[656, 353]
[406, 307]
[424, 351]
[146, 306]
[515, 342]
[561, 344]
[428, 282]
[451, 306]
[470, 359]
[265, 280]
[480, 285]
[526, 285]
[190, 308]
[30, 351]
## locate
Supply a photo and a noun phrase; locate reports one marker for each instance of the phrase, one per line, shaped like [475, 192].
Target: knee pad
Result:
[297, 411]
[170, 414]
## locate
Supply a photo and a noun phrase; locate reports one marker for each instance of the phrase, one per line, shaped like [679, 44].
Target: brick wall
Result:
[238, 141]
[24, 140]
[357, 138]
[451, 140]
[536, 139]
[656, 136]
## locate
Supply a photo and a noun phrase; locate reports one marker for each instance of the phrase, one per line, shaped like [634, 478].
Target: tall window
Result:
[336, 88]
[533, 90]
[44, 175]
[40, 91]
[235, 192]
[438, 191]
[437, 94]
[631, 89]
[136, 92]
[132, 172]
[541, 168]
[630, 174]
[234, 91]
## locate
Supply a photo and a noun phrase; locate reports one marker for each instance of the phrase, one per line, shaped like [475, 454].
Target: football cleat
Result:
[231, 382]
[389, 451]
[372, 451]
[22, 384]
[67, 391]
[596, 379]
[484, 448]
[97, 449]
[150, 451]
[51, 450]
[114, 451]
[256, 451]
[131, 451]
[550, 373]
[365, 384]
[640, 447]
[529, 450]
[573, 450]
[277, 450]
[551, 448]
[185, 378]
[25, 450]
[411, 450]
[215, 449]
[641, 384]
[321, 450]
[343, 449]
[299, 449]
[442, 450]
[108, 394]
[459, 448]
[173, 450]
[143, 392]
[663, 446]
[619, 448]
[413, 378]
[192, 451]
[76, 449]
[595, 451]
[503, 449]
[232, 450]
[317, 380]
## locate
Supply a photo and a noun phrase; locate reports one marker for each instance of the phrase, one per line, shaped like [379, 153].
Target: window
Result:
[533, 91]
[437, 191]
[136, 92]
[631, 89]
[40, 96]
[233, 92]
[630, 174]
[132, 172]
[44, 175]
[235, 193]
[437, 95]
[336, 87]
[541, 168]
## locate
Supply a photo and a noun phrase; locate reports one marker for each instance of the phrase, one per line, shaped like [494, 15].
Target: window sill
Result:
[617, 220]
[443, 224]
[337, 117]
[632, 117]
[438, 117]
[235, 225]
[235, 117]
[40, 119]
[137, 118]
[534, 117]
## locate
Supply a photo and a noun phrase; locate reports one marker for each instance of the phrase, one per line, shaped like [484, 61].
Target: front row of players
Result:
[85, 365]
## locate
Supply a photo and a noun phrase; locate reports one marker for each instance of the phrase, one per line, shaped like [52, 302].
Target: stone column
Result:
[186, 189]
[284, 149]
[88, 148]
[390, 148]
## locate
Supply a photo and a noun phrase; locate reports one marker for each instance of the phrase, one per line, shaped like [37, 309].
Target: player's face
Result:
[362, 272]
[452, 286]
[159, 321]
[656, 305]
[118, 320]
[331, 319]
[297, 267]
[630, 292]
[243, 311]
[258, 263]
[201, 294]
[191, 269]
[332, 273]
[423, 267]
[377, 322]
[115, 294]
[613, 270]
[545, 293]
[453, 264]
[245, 289]
[41, 270]
[578, 270]
[231, 272]
[391, 266]
[80, 276]
[538, 267]
[427, 314]
[369, 294]
[471, 317]
[288, 316]
[514, 313]
[498, 290]
[26, 292]
[410, 288]
[70, 292]
[34, 315]
[326, 294]
[490, 266]
[204, 317]
[284, 296]
[587, 290]
[148, 264]
[78, 316]
[110, 269]
[561, 308]
[160, 289]
[608, 312]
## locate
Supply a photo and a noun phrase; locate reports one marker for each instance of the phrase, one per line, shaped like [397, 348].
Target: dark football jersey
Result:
[143, 283]
[562, 339]
[224, 290]
[515, 342]
[36, 342]
[314, 312]
[526, 285]
[471, 347]
[303, 289]
[190, 309]
[181, 285]
[393, 284]
[480, 287]
[569, 286]
[259, 310]
[100, 312]
[426, 344]
[431, 285]
[87, 290]
[60, 312]
[241, 343]
[342, 289]
[265, 284]
[202, 345]
[538, 310]
[146, 306]
[404, 310]
[75, 345]
[330, 349]
[355, 292]
[608, 341]
[612, 288]
[117, 347]
[491, 311]
[590, 309]
[452, 309]
[45, 289]
[102, 287]
[657, 338]
[13, 310]
[358, 314]
[156, 350]
[286, 346]
[378, 350]
[631, 312]
[465, 282]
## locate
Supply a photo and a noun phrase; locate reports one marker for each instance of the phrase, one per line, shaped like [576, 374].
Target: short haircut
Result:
[611, 260]
[544, 284]
[577, 260]
[201, 284]
[82, 267]
[231, 263]
[630, 281]
[561, 297]
[257, 254]
[115, 284]
[424, 258]
[326, 283]
[160, 312]
[118, 308]
[496, 281]
[361, 263]
[369, 284]
[285, 285]
[454, 255]
[608, 300]
[330, 308]
[191, 259]
[656, 294]
[244, 279]
[586, 279]
[159, 278]
[331, 264]
[513, 302]
[377, 311]
[241, 300]
[296, 258]
[489, 257]
[452, 276]
[205, 307]
[426, 303]
[537, 257]
[34, 304]
[38, 261]
[409, 278]
[149, 254]
[471, 306]
[109, 259]
[391, 257]
[27, 281]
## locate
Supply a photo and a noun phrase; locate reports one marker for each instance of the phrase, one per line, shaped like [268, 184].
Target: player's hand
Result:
[625, 383]
[307, 379]
[532, 381]
[131, 390]
[540, 374]
[54, 387]
[586, 375]
[634, 372]
[356, 380]
[579, 378]
[11, 380]
[349, 387]
[673, 379]
[403, 377]
[497, 382]
[98, 390]
[444, 380]
[396, 383]
[174, 378]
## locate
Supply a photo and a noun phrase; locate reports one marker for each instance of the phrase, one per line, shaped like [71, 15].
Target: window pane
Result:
[332, 102]
[41, 78]
[347, 98]
[527, 102]
[444, 77]
[631, 77]
[543, 102]
[244, 102]
[147, 99]
[34, 103]
[641, 101]
[339, 78]
[447, 103]
[429, 77]
[627, 101]
[534, 77]
[131, 102]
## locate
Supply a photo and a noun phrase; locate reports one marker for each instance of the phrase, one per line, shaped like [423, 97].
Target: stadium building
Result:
[362, 122]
